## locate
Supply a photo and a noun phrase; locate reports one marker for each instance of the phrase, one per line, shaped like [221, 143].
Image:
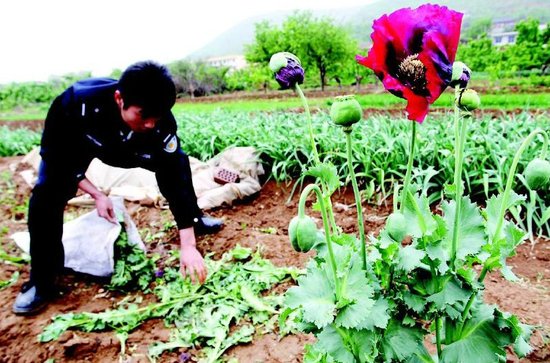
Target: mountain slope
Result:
[360, 19]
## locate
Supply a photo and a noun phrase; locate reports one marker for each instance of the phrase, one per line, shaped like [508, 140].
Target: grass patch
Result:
[382, 101]
[526, 101]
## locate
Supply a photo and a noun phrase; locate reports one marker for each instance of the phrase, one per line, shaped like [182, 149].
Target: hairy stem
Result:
[407, 181]
[308, 189]
[360, 220]
[460, 137]
[309, 124]
[511, 176]
[316, 158]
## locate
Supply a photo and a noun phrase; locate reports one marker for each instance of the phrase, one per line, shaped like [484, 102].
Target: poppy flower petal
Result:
[412, 54]
[417, 106]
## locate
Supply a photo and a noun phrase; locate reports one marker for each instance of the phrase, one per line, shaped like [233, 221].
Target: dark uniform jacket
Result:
[84, 122]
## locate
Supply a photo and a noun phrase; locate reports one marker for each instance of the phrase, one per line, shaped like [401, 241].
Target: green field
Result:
[503, 101]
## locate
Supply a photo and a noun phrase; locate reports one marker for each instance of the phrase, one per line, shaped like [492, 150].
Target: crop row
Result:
[380, 150]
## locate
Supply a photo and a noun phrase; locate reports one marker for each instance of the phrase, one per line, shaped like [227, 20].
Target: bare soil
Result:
[245, 223]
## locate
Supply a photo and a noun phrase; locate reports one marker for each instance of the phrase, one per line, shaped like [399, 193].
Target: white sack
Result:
[89, 241]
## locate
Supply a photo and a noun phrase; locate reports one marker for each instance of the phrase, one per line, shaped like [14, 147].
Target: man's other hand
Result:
[192, 263]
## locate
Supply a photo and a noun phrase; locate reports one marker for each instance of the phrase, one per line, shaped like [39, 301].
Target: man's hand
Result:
[191, 261]
[105, 209]
[103, 203]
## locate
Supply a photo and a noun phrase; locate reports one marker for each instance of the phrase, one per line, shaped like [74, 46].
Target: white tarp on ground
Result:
[89, 240]
[138, 184]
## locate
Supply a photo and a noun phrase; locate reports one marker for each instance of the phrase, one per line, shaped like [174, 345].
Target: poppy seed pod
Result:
[287, 68]
[537, 174]
[345, 110]
[302, 231]
[461, 75]
[468, 100]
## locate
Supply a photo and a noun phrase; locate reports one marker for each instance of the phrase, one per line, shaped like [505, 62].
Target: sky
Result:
[44, 38]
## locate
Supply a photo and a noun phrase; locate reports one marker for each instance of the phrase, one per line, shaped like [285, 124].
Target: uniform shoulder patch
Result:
[171, 145]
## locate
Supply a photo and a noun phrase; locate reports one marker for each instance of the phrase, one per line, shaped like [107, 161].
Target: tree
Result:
[530, 51]
[197, 78]
[323, 45]
[479, 29]
[184, 76]
[480, 54]
[528, 31]
[268, 40]
[253, 77]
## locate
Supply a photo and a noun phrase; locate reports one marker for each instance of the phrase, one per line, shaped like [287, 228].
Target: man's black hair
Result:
[148, 85]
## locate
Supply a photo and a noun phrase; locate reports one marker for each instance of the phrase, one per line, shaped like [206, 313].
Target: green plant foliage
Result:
[133, 269]
[226, 310]
[11, 281]
[18, 141]
[29, 93]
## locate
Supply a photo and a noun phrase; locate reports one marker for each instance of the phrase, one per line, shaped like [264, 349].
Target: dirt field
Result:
[244, 223]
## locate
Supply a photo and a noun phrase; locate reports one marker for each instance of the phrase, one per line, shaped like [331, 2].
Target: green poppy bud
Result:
[345, 110]
[303, 233]
[468, 100]
[396, 226]
[461, 75]
[537, 174]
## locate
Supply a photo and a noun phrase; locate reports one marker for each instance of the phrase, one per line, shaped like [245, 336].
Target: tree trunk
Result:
[339, 81]
[191, 90]
[358, 80]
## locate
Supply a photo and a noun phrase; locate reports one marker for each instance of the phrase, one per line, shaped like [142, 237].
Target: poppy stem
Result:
[309, 123]
[317, 160]
[407, 181]
[320, 198]
[511, 176]
[460, 137]
[357, 194]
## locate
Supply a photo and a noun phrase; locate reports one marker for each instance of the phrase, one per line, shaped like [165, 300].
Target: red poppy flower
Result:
[413, 53]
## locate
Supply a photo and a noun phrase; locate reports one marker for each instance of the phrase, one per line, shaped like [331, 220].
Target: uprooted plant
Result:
[226, 310]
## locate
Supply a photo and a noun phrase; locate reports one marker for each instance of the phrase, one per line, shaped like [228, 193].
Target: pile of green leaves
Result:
[133, 269]
[222, 312]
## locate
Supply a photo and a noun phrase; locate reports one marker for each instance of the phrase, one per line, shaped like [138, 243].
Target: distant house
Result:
[504, 38]
[233, 62]
[503, 25]
[502, 32]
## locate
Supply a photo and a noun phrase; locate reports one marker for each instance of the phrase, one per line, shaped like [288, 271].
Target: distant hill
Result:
[360, 19]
